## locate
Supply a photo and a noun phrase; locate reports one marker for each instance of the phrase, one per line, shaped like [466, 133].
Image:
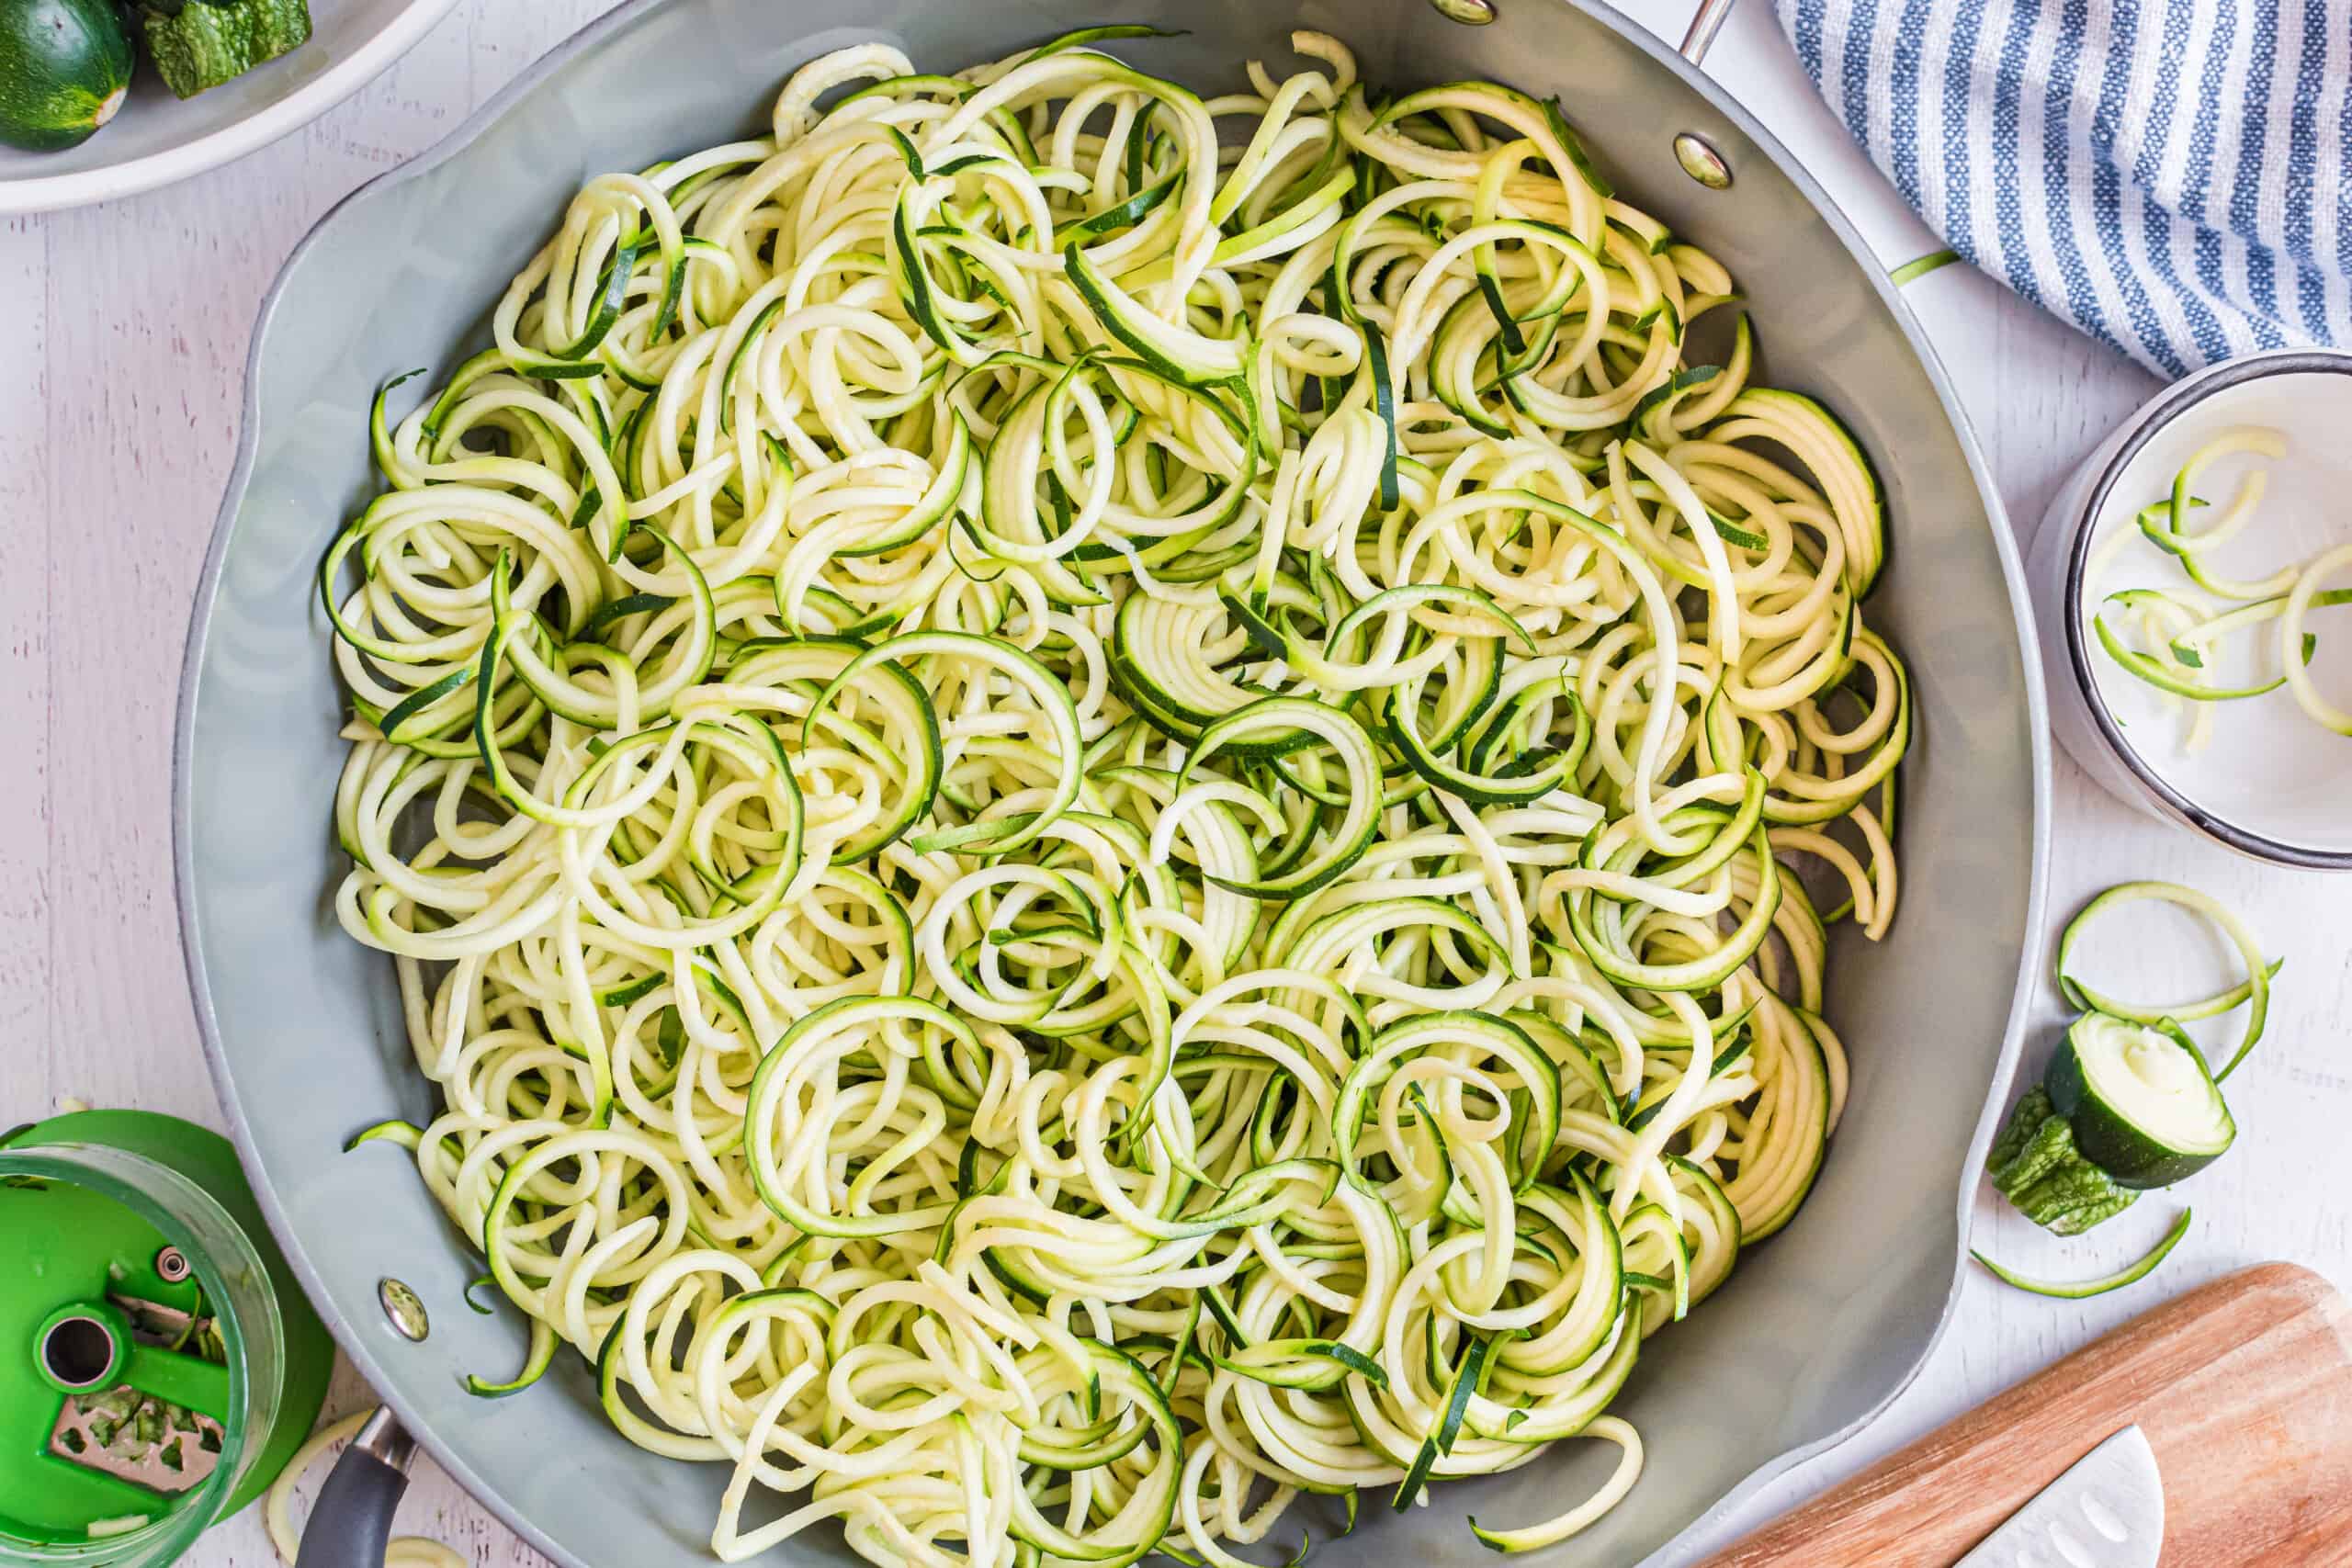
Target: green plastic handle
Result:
[183, 1380]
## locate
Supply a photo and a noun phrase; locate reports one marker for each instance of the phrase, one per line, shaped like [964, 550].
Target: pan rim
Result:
[357, 1347]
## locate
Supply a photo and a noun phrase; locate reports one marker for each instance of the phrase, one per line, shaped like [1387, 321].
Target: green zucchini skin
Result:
[64, 68]
[197, 47]
[2083, 1289]
[2075, 1154]
[2133, 1154]
[2035, 1164]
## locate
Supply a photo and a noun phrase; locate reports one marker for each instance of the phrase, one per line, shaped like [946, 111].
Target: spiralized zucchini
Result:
[2172, 637]
[1083, 796]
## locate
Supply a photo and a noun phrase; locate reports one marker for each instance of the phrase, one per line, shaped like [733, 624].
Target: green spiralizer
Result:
[158, 1364]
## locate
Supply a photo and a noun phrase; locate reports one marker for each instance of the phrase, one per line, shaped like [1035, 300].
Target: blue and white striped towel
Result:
[2172, 176]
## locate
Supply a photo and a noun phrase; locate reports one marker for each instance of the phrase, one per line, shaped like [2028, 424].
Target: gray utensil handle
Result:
[1705, 22]
[352, 1520]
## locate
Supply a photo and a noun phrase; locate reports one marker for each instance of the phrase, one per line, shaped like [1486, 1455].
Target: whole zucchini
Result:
[64, 68]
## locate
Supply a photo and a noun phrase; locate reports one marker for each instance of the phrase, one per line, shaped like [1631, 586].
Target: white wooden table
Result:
[122, 350]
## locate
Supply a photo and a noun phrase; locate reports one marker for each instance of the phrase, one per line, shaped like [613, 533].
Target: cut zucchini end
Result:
[2144, 1105]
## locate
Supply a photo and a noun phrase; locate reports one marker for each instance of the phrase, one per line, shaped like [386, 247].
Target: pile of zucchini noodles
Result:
[1081, 792]
[2174, 638]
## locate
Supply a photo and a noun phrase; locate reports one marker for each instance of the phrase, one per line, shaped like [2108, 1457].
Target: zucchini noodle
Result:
[2253, 992]
[2169, 637]
[2083, 1289]
[1080, 793]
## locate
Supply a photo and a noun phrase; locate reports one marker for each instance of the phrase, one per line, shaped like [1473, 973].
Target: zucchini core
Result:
[2143, 1106]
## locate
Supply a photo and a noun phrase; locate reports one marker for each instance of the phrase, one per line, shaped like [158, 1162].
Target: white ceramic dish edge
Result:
[52, 193]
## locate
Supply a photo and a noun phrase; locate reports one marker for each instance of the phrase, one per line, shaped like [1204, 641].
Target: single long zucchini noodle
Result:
[1088, 799]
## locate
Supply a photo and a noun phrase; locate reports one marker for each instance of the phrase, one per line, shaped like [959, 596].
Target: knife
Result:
[2106, 1511]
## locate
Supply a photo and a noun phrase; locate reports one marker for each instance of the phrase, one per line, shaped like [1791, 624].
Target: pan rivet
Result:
[1469, 13]
[1701, 163]
[171, 1265]
[402, 1309]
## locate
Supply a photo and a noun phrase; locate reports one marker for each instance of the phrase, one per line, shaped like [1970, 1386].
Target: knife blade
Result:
[2106, 1511]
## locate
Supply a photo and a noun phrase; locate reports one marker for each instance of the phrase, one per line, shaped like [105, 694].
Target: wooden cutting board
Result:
[2244, 1387]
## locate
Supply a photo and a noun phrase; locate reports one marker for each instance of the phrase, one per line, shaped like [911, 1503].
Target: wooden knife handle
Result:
[2244, 1387]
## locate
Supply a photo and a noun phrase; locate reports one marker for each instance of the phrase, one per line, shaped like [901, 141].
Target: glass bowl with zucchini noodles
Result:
[1090, 802]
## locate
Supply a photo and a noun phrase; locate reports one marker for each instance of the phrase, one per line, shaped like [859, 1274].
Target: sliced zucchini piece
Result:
[2143, 1108]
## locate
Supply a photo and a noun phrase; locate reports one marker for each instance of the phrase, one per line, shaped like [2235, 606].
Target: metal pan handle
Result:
[352, 1521]
[1705, 23]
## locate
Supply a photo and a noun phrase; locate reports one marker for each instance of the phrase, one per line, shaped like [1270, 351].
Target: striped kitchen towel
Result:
[2172, 176]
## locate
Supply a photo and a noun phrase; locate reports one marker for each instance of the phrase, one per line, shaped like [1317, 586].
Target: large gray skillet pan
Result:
[1817, 1330]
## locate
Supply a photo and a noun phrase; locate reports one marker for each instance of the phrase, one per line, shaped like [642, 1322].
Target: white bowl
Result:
[157, 138]
[2270, 784]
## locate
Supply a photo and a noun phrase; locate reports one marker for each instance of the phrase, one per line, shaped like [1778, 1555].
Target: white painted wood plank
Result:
[117, 424]
[26, 923]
